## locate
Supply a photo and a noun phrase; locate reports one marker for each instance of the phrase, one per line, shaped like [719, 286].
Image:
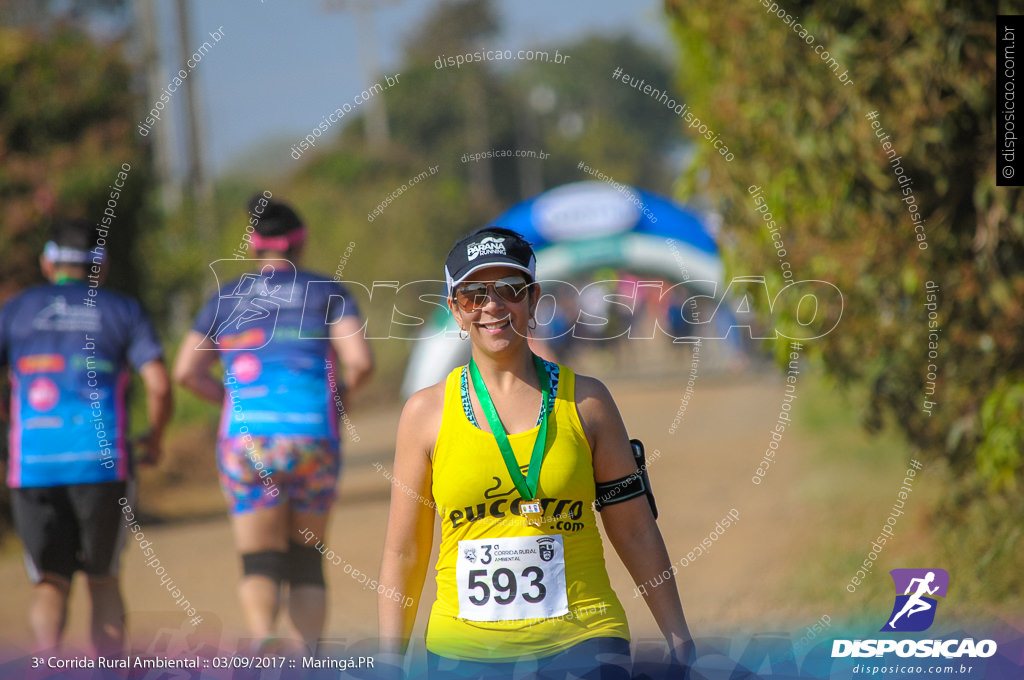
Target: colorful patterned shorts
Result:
[264, 471]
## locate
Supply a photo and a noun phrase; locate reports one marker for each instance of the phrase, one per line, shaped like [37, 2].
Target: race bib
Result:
[506, 579]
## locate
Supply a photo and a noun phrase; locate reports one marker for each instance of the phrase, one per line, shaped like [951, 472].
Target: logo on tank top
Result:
[561, 514]
[43, 394]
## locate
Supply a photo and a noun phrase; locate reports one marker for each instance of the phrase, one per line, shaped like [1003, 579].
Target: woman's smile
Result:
[494, 327]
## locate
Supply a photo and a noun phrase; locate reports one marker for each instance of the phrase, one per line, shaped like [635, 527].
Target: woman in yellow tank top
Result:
[509, 450]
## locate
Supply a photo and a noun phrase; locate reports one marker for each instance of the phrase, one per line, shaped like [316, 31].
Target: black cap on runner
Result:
[488, 247]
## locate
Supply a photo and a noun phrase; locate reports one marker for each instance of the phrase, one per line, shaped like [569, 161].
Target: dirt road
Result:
[699, 473]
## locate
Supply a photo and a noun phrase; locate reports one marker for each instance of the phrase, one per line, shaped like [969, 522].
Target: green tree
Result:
[802, 135]
[66, 127]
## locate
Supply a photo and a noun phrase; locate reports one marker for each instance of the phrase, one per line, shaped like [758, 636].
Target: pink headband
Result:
[280, 243]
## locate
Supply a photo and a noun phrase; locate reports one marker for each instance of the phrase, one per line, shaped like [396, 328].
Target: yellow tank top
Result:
[479, 504]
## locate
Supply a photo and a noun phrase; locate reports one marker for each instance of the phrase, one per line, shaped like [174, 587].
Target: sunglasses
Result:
[472, 296]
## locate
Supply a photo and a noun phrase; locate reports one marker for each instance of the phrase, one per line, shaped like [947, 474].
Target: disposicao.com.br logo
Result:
[914, 611]
[925, 583]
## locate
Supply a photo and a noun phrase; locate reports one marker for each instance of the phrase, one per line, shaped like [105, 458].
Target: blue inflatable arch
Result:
[577, 228]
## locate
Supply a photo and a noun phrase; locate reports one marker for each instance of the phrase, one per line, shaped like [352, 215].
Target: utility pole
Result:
[200, 190]
[195, 166]
[377, 133]
[170, 194]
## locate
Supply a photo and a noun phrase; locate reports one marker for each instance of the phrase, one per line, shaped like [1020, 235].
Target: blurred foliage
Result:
[928, 68]
[66, 126]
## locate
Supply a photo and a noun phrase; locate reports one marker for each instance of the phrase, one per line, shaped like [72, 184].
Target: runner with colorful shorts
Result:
[280, 333]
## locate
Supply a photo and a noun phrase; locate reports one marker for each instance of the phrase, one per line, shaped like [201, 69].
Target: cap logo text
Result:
[487, 246]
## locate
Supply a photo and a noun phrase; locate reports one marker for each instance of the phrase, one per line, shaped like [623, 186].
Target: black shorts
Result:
[72, 528]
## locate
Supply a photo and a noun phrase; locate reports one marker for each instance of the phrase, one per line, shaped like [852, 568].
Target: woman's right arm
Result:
[410, 532]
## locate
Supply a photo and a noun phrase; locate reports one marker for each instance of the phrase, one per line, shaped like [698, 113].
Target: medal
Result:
[529, 507]
[531, 512]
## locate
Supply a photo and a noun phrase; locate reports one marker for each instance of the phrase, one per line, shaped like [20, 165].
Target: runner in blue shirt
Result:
[279, 332]
[68, 347]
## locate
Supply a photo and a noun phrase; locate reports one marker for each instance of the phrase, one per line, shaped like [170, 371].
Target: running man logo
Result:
[487, 246]
[914, 610]
[256, 299]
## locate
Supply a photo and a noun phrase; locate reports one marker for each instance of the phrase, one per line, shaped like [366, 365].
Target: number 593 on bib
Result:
[512, 578]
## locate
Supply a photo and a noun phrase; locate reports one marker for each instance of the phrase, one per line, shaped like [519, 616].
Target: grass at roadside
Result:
[852, 485]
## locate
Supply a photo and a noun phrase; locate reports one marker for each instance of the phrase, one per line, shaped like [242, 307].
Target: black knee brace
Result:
[269, 563]
[304, 566]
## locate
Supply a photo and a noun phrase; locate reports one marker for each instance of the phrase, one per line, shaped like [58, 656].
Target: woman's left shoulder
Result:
[597, 411]
[592, 396]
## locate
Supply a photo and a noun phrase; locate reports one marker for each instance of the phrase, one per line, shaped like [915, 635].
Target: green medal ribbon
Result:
[527, 487]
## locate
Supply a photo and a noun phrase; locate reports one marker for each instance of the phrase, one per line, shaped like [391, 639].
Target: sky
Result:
[282, 66]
